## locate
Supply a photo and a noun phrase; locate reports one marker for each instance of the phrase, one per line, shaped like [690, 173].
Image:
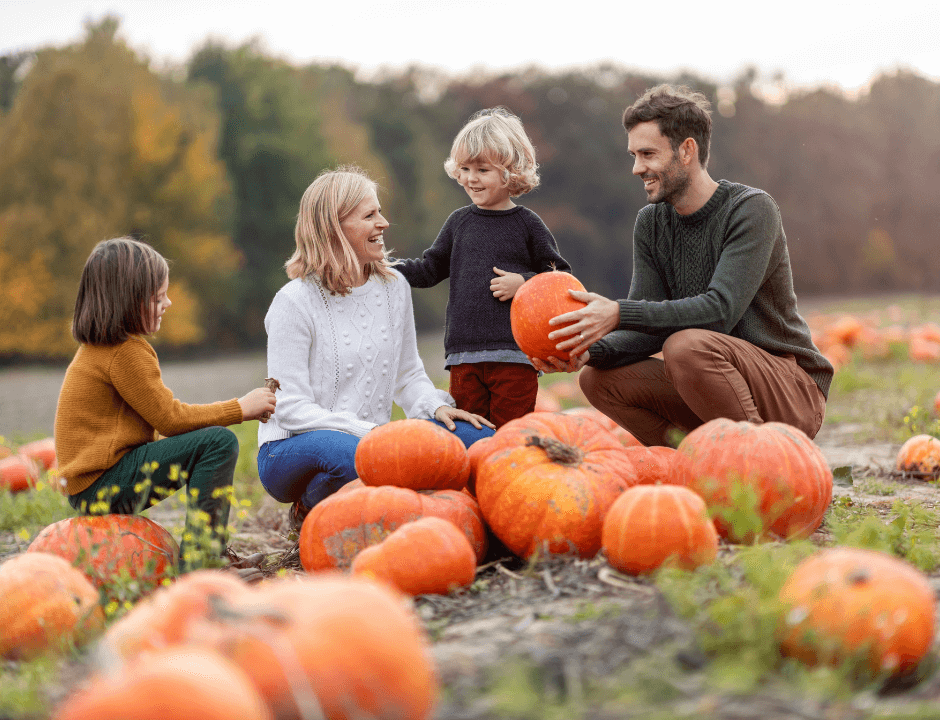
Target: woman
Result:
[342, 345]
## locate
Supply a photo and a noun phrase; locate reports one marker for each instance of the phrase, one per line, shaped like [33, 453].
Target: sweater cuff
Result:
[631, 315]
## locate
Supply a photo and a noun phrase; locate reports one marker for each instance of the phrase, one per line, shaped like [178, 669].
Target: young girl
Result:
[488, 249]
[113, 402]
[342, 344]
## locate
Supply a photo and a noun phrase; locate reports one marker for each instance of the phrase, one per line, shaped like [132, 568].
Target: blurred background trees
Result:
[208, 163]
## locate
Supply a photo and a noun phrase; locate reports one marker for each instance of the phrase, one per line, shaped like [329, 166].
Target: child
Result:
[113, 402]
[341, 342]
[488, 249]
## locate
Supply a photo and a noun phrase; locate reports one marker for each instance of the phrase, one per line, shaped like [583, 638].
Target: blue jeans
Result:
[313, 465]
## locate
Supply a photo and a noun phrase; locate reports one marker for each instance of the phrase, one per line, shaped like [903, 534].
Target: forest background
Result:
[207, 161]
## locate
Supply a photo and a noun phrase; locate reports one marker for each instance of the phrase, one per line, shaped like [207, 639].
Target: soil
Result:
[566, 625]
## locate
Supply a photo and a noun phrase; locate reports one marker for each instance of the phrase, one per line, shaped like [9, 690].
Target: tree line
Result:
[208, 162]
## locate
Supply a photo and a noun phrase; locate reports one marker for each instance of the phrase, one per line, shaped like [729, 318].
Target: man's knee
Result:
[589, 382]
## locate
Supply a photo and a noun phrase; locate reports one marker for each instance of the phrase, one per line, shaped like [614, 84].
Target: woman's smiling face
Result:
[364, 228]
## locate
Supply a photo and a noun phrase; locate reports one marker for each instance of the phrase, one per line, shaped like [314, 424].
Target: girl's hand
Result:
[504, 287]
[256, 403]
[447, 414]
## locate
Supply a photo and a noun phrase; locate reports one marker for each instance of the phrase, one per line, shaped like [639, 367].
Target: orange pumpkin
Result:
[538, 300]
[348, 644]
[650, 525]
[111, 547]
[426, 556]
[18, 473]
[625, 436]
[548, 479]
[45, 605]
[774, 465]
[474, 454]
[354, 518]
[414, 454]
[42, 452]
[653, 464]
[920, 457]
[173, 684]
[848, 602]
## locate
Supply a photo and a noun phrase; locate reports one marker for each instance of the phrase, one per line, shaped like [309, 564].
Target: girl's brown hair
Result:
[119, 283]
[322, 249]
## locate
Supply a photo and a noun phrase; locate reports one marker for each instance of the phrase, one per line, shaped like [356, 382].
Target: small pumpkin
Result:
[18, 473]
[357, 516]
[548, 479]
[108, 548]
[45, 605]
[919, 456]
[848, 602]
[651, 525]
[538, 300]
[773, 466]
[414, 454]
[428, 556]
[171, 684]
[42, 452]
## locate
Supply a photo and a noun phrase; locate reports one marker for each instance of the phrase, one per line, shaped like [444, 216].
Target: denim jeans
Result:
[313, 465]
[204, 460]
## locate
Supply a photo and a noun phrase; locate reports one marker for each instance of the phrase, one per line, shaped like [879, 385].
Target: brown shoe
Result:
[298, 511]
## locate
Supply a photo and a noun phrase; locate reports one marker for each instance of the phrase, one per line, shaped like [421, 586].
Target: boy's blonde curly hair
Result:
[496, 136]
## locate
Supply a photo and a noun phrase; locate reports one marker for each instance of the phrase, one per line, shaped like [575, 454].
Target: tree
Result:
[95, 146]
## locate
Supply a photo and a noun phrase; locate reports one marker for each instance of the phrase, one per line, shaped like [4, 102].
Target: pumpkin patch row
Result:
[20, 468]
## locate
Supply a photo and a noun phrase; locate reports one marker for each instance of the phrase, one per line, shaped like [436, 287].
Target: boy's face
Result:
[483, 182]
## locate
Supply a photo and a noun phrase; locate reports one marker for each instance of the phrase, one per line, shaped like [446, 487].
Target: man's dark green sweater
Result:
[725, 268]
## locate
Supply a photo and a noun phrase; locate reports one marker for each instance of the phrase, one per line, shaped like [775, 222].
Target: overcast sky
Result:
[836, 43]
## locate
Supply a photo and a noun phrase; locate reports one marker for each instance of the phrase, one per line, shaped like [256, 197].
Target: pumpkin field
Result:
[556, 570]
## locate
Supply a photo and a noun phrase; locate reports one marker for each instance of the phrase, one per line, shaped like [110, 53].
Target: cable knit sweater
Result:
[342, 360]
[113, 400]
[725, 268]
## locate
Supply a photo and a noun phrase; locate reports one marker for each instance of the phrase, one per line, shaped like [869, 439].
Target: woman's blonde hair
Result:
[496, 136]
[322, 249]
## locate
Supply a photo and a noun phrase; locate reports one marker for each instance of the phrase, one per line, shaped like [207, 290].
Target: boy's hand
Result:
[258, 404]
[505, 285]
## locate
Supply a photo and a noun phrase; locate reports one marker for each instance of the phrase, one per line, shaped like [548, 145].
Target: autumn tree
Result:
[96, 145]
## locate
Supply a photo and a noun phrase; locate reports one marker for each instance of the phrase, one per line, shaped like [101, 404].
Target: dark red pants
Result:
[704, 375]
[498, 391]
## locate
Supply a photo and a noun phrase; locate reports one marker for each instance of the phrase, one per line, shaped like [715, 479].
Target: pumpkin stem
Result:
[556, 450]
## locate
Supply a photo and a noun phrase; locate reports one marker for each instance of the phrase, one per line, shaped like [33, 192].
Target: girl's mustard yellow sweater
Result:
[113, 400]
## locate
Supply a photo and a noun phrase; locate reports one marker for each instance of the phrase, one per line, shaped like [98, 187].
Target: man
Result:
[712, 290]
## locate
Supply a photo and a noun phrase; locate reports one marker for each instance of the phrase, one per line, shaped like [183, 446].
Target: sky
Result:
[836, 44]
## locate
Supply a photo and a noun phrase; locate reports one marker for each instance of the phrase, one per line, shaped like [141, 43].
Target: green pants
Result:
[203, 460]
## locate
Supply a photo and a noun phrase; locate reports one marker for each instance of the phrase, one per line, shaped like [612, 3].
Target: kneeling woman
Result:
[342, 345]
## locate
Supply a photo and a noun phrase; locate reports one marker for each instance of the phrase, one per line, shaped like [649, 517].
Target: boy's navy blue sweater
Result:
[470, 244]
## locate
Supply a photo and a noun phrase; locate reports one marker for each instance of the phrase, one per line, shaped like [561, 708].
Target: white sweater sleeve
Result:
[414, 391]
[292, 345]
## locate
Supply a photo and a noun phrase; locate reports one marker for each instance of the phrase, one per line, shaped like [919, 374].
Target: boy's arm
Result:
[544, 249]
[434, 264]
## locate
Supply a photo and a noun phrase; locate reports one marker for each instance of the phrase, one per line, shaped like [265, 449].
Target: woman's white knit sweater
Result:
[342, 360]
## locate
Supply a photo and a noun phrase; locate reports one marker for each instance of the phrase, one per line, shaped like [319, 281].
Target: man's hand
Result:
[552, 364]
[588, 324]
[504, 286]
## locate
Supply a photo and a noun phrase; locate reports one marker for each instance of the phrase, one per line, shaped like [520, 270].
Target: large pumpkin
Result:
[415, 454]
[354, 518]
[770, 475]
[45, 605]
[350, 645]
[548, 479]
[650, 525]
[919, 457]
[653, 464]
[111, 548]
[18, 473]
[538, 300]
[847, 602]
[426, 556]
[171, 684]
[625, 436]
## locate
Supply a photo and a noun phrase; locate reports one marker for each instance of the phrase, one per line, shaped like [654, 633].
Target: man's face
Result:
[665, 179]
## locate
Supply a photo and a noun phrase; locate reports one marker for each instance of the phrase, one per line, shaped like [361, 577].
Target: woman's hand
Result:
[447, 414]
[256, 403]
[552, 364]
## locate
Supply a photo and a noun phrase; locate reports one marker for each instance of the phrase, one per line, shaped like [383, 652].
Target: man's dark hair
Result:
[119, 283]
[680, 113]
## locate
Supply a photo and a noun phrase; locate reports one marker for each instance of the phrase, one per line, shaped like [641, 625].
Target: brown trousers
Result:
[499, 391]
[704, 375]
